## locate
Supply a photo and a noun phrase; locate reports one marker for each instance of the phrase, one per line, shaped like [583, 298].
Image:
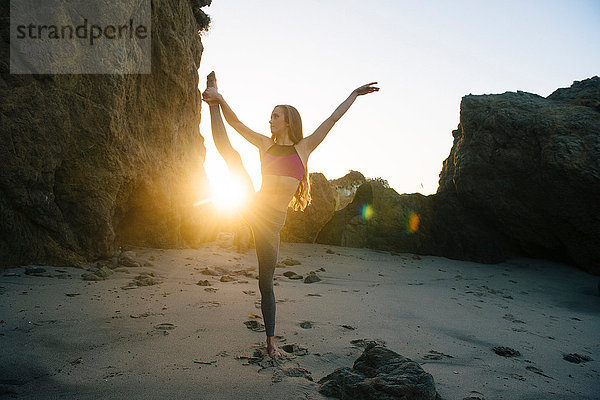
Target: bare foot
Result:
[211, 80]
[272, 347]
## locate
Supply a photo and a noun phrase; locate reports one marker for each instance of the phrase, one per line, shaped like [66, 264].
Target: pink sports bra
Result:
[282, 160]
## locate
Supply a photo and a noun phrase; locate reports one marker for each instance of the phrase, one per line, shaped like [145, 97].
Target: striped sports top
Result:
[282, 160]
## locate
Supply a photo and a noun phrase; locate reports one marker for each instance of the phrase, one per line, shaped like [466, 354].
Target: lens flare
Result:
[228, 194]
[367, 212]
[413, 222]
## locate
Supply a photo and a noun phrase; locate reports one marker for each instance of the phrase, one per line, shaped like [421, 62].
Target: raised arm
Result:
[311, 142]
[212, 96]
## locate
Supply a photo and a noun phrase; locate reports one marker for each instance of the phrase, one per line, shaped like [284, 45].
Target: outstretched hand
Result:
[365, 89]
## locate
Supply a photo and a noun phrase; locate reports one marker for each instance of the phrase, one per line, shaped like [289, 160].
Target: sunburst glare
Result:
[227, 194]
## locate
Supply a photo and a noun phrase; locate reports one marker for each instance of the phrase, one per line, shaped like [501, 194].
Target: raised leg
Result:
[234, 163]
[230, 155]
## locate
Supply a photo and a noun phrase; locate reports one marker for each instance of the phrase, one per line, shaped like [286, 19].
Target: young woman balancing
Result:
[285, 182]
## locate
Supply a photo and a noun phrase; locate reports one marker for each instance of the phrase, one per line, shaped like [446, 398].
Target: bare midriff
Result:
[277, 191]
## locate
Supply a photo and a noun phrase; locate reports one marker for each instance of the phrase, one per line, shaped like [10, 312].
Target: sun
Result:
[227, 193]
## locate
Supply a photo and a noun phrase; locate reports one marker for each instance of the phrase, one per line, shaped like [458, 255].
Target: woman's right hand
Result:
[366, 89]
[211, 96]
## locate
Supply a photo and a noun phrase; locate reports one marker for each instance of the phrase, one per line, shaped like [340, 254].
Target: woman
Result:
[284, 157]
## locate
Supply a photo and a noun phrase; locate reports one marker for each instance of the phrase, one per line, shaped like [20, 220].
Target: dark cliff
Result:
[522, 179]
[90, 162]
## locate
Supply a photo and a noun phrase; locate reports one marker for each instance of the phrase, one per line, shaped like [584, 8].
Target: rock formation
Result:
[522, 178]
[303, 226]
[529, 167]
[94, 161]
[345, 188]
[380, 373]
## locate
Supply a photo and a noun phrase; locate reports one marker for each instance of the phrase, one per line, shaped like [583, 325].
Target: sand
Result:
[63, 337]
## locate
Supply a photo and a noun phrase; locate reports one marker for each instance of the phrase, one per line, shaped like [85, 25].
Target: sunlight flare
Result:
[227, 194]
[367, 212]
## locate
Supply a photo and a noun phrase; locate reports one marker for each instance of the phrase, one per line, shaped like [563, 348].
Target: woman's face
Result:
[277, 122]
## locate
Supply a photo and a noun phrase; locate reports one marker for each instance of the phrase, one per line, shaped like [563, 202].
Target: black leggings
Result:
[265, 222]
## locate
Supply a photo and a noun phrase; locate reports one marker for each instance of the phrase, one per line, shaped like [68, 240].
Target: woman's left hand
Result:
[365, 89]
[211, 96]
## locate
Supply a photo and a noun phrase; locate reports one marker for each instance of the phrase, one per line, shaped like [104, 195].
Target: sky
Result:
[425, 56]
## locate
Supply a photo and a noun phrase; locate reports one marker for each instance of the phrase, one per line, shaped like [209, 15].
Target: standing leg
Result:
[267, 239]
[266, 252]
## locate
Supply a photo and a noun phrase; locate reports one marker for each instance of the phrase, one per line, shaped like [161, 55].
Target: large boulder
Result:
[303, 226]
[90, 162]
[522, 178]
[380, 373]
[529, 167]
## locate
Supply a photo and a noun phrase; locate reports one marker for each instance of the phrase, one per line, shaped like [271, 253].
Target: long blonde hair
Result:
[302, 197]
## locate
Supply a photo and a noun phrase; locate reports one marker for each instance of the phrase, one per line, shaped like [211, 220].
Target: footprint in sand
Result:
[436, 355]
[213, 271]
[306, 324]
[296, 372]
[254, 325]
[511, 318]
[164, 328]
[295, 349]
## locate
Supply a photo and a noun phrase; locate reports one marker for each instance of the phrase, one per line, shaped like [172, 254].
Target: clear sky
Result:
[425, 55]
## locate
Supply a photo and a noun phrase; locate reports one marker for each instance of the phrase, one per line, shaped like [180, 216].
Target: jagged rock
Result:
[91, 161]
[127, 259]
[107, 263]
[97, 273]
[290, 262]
[227, 278]
[345, 188]
[581, 93]
[145, 279]
[576, 358]
[380, 373]
[292, 275]
[312, 277]
[522, 179]
[528, 167]
[506, 351]
[303, 226]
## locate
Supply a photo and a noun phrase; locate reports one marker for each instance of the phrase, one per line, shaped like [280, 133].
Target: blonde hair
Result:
[302, 197]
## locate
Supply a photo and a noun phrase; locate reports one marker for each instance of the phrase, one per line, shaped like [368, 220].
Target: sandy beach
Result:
[64, 337]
